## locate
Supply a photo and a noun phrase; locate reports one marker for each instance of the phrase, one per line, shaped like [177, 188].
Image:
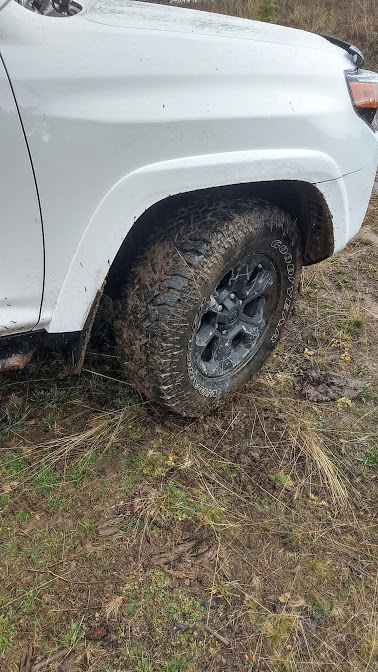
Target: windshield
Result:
[52, 7]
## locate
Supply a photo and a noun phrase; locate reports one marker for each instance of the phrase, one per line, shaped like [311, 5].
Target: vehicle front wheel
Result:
[205, 305]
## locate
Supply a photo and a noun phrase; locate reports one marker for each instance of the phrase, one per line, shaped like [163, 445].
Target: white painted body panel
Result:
[126, 104]
[21, 266]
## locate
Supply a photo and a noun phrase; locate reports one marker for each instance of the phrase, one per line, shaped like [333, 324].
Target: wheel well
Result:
[301, 200]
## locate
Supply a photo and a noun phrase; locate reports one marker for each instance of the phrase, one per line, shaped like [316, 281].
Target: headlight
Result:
[363, 89]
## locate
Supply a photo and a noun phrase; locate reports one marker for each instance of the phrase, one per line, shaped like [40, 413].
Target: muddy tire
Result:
[206, 303]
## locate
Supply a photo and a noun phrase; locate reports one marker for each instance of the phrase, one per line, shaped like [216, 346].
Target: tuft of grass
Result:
[342, 278]
[279, 628]
[371, 457]
[82, 468]
[175, 663]
[12, 464]
[153, 601]
[7, 632]
[46, 478]
[144, 664]
[69, 638]
[23, 516]
[320, 610]
[306, 438]
[171, 501]
[102, 433]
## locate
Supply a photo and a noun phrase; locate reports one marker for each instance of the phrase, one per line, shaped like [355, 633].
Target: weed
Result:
[321, 610]
[46, 545]
[161, 606]
[52, 416]
[153, 463]
[281, 479]
[12, 464]
[71, 637]
[145, 664]
[86, 526]
[23, 516]
[45, 478]
[369, 648]
[171, 501]
[352, 326]
[320, 568]
[371, 457]
[55, 502]
[279, 627]
[28, 599]
[7, 632]
[368, 393]
[256, 611]
[342, 278]
[84, 466]
[175, 663]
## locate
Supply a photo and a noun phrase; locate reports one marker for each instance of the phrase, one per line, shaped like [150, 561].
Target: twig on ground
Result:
[217, 636]
[26, 659]
[56, 656]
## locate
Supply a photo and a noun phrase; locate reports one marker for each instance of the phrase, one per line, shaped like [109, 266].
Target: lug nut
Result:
[220, 308]
[259, 266]
[224, 331]
[232, 295]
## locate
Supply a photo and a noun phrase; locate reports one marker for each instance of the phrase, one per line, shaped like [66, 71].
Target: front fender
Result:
[139, 190]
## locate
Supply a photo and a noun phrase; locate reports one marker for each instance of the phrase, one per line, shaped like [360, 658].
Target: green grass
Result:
[23, 516]
[12, 464]
[46, 478]
[82, 468]
[342, 278]
[69, 638]
[371, 457]
[7, 632]
[162, 607]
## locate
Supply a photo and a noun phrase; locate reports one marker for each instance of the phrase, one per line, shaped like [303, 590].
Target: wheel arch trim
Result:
[139, 190]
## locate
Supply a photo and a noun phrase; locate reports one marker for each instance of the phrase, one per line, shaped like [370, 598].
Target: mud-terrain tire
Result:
[185, 338]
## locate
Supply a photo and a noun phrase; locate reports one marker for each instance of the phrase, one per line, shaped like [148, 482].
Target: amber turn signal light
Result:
[363, 89]
[364, 94]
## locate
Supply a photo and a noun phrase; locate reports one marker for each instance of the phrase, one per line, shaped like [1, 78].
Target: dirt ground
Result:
[133, 540]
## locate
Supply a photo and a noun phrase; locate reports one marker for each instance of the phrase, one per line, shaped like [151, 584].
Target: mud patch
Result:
[321, 386]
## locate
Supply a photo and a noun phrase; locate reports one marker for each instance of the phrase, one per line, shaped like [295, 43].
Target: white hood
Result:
[147, 16]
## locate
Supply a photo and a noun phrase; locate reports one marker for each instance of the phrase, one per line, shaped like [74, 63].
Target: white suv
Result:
[187, 164]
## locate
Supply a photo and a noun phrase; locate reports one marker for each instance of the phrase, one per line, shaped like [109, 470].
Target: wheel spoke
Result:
[253, 315]
[257, 286]
[250, 327]
[205, 334]
[240, 278]
[221, 358]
